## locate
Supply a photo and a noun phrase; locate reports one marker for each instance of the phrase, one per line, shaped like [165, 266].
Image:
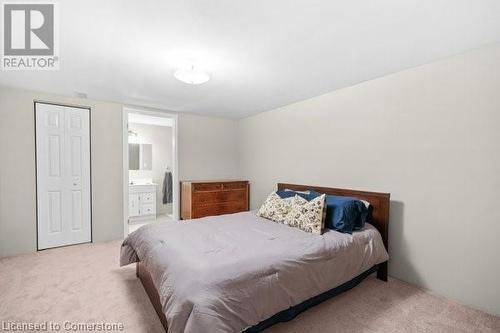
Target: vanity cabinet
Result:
[142, 202]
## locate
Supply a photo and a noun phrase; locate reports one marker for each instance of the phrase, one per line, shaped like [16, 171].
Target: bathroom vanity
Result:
[142, 202]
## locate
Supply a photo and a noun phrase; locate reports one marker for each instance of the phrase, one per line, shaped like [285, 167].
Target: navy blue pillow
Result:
[288, 194]
[345, 214]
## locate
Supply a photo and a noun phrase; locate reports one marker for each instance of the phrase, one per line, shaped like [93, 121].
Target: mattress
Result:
[228, 273]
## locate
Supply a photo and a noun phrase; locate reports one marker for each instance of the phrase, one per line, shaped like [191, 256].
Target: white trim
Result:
[125, 171]
[140, 118]
[175, 167]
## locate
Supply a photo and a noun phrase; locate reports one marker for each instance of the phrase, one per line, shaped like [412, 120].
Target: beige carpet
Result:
[83, 283]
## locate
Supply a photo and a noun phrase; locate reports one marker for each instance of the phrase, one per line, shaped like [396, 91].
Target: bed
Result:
[240, 272]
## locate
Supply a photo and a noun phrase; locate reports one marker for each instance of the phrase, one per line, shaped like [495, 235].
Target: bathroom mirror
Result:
[140, 156]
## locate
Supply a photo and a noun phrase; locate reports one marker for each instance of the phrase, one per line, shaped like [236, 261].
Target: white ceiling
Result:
[261, 54]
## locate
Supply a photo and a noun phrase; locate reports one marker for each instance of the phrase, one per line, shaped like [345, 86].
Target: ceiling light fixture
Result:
[191, 75]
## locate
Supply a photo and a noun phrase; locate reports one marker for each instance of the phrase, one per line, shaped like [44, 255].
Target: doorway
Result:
[150, 168]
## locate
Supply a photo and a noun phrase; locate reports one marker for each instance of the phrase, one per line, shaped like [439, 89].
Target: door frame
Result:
[175, 164]
[35, 102]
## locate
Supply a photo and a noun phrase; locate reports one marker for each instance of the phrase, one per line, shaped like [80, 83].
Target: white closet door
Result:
[63, 175]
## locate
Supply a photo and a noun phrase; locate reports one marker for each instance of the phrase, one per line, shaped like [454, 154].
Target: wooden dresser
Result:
[207, 198]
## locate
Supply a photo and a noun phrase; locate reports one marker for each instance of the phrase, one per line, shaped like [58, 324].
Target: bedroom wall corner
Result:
[429, 135]
[207, 150]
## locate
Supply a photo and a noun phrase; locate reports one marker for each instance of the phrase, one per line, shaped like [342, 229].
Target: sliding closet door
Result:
[63, 175]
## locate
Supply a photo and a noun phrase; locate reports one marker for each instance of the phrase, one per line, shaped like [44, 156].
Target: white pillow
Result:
[307, 215]
[275, 208]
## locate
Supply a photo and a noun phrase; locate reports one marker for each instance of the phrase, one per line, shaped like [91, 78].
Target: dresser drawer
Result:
[207, 187]
[149, 197]
[234, 186]
[219, 209]
[147, 209]
[219, 196]
[219, 186]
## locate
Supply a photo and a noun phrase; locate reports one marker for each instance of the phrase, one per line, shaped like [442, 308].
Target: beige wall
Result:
[17, 171]
[430, 136]
[207, 149]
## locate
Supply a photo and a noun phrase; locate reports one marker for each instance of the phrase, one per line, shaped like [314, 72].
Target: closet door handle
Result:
[76, 181]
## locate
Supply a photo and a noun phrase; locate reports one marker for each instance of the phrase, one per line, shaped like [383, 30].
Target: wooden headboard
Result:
[379, 215]
[380, 204]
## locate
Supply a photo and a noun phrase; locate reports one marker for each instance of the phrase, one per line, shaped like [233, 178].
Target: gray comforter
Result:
[227, 273]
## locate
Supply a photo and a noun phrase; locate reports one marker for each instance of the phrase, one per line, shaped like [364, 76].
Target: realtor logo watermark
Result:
[30, 36]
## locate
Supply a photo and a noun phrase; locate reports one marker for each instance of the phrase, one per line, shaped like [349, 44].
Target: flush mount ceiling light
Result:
[191, 75]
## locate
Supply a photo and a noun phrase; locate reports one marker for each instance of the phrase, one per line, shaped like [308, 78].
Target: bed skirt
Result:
[290, 313]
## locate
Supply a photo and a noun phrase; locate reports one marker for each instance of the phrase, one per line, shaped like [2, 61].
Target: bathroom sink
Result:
[140, 182]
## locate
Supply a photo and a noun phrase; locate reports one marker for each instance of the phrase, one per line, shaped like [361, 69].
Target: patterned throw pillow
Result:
[275, 208]
[307, 215]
